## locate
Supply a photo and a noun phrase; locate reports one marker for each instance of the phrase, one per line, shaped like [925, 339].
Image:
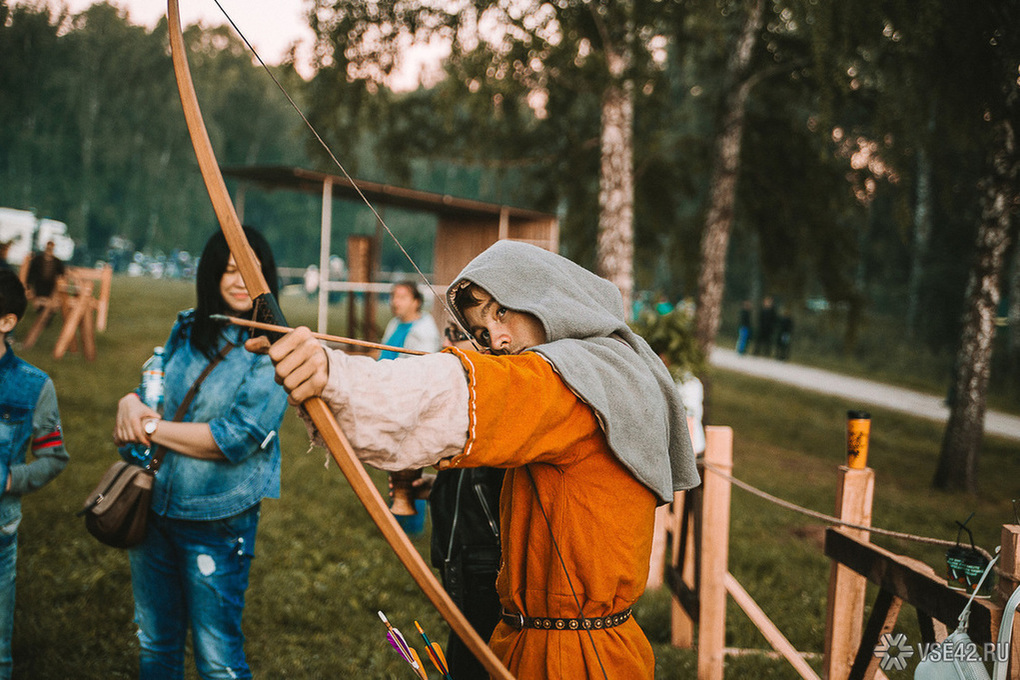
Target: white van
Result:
[19, 226]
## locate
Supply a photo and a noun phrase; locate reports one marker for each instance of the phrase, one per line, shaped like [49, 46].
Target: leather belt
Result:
[520, 621]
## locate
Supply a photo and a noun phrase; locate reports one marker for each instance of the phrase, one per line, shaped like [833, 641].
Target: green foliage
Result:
[92, 134]
[672, 337]
[913, 77]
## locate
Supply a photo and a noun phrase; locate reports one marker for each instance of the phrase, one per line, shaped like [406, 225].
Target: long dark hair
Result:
[205, 333]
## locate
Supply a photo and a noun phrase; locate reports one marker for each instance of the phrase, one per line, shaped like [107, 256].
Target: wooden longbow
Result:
[269, 311]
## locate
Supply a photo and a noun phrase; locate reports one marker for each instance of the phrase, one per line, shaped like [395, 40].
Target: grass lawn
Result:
[322, 570]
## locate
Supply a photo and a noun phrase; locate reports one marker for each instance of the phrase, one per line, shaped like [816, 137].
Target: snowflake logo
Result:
[893, 652]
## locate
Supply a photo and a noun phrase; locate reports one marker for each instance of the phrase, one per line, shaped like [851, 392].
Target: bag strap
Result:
[157, 455]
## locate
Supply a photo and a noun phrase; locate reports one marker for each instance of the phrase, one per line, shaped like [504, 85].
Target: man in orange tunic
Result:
[579, 410]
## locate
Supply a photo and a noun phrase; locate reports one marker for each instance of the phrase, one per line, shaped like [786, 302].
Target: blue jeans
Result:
[8, 564]
[743, 335]
[189, 574]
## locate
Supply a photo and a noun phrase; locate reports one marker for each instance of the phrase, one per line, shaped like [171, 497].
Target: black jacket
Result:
[465, 523]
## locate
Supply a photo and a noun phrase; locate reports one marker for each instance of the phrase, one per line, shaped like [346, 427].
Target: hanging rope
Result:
[829, 519]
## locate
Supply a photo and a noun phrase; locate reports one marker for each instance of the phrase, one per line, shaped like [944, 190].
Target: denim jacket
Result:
[29, 418]
[244, 407]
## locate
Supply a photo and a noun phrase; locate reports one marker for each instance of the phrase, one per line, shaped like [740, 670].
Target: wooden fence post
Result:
[682, 623]
[665, 521]
[657, 563]
[1009, 579]
[715, 538]
[845, 610]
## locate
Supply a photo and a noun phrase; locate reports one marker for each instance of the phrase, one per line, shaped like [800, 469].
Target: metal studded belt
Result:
[520, 621]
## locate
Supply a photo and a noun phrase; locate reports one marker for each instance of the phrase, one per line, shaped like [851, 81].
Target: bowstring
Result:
[566, 572]
[343, 170]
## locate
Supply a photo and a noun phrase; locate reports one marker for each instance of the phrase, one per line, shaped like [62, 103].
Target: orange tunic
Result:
[521, 413]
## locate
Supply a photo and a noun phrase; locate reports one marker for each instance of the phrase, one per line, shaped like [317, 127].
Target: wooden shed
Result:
[464, 227]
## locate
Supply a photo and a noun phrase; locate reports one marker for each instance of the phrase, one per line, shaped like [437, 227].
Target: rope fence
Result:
[829, 519]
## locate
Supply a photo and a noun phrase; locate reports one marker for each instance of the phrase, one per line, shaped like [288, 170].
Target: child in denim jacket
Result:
[28, 417]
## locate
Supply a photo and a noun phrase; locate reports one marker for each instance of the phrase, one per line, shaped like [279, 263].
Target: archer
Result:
[575, 405]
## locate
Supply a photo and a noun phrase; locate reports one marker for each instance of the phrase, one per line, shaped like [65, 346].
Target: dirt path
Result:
[864, 393]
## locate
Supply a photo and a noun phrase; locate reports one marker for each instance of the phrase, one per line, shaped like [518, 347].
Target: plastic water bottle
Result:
[151, 393]
[152, 380]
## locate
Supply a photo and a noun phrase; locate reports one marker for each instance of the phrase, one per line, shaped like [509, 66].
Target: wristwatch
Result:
[150, 426]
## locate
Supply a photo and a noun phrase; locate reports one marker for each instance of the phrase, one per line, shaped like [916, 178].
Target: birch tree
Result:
[961, 444]
[509, 63]
[723, 182]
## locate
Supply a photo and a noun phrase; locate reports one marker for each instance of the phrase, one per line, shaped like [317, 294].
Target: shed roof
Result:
[272, 177]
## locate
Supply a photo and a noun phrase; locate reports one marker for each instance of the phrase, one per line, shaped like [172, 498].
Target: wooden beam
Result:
[883, 617]
[906, 581]
[683, 613]
[684, 595]
[772, 634]
[45, 310]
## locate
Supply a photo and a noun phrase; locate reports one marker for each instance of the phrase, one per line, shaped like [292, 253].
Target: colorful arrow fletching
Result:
[441, 664]
[393, 643]
[406, 651]
[418, 666]
[435, 653]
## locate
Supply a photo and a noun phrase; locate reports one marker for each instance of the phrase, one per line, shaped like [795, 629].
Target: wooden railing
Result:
[690, 555]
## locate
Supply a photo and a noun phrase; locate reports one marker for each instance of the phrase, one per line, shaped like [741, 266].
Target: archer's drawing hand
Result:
[301, 364]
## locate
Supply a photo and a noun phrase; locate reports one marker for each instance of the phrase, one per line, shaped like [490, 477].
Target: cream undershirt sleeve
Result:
[398, 415]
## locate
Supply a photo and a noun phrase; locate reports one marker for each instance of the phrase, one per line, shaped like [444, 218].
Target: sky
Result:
[270, 25]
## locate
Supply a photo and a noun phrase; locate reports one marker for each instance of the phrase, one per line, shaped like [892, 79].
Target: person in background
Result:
[44, 273]
[744, 328]
[221, 460]
[578, 409]
[29, 419]
[766, 327]
[662, 305]
[784, 333]
[5, 249]
[409, 328]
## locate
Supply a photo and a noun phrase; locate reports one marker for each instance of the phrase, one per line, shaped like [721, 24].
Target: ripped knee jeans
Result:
[193, 575]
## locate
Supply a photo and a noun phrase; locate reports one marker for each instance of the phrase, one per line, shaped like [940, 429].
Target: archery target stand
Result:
[83, 300]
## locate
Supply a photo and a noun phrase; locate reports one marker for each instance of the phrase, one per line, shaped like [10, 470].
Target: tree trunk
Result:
[616, 181]
[961, 444]
[1013, 316]
[723, 187]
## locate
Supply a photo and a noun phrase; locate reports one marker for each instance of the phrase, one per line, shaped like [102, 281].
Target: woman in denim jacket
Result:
[222, 459]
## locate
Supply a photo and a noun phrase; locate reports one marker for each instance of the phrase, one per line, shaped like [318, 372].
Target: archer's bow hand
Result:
[301, 364]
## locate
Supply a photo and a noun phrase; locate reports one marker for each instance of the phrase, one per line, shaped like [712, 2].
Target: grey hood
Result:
[597, 355]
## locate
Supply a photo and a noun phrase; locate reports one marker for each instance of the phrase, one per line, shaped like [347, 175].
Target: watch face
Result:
[150, 426]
